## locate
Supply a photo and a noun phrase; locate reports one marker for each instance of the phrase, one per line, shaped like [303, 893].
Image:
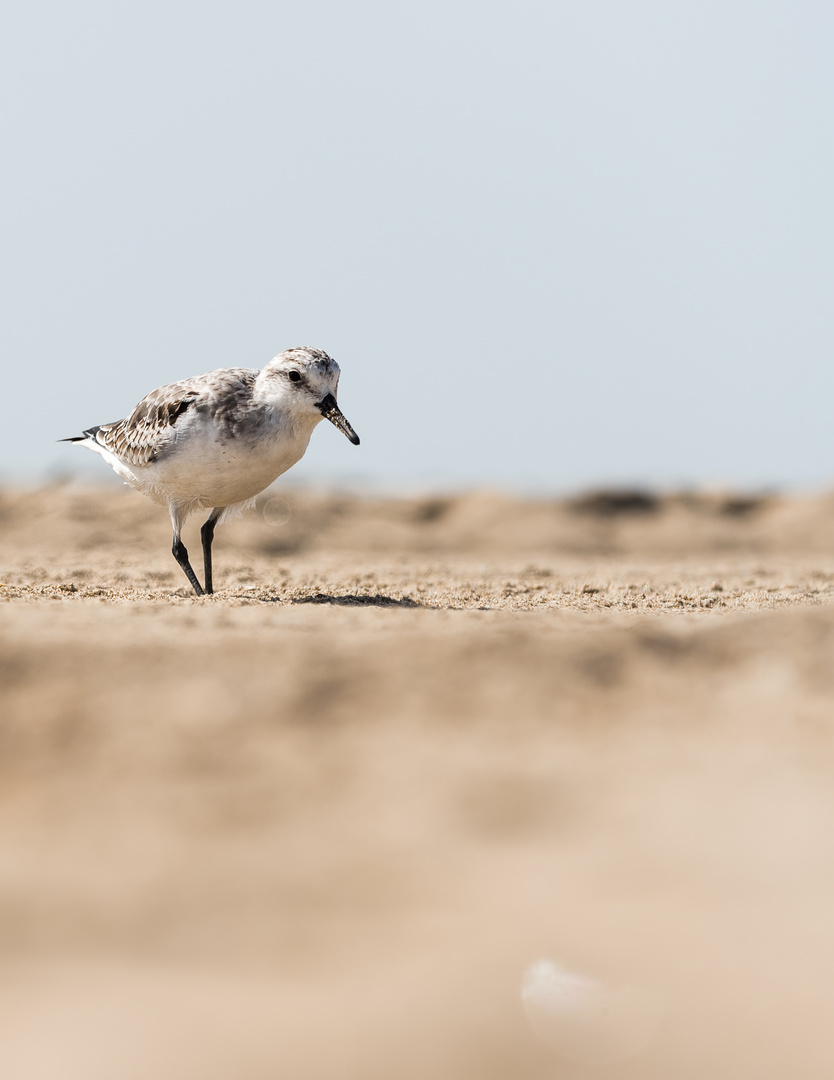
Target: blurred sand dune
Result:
[320, 824]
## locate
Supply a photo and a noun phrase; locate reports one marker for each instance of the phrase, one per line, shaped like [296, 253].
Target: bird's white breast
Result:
[203, 466]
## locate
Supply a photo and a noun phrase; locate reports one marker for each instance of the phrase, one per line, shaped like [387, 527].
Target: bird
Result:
[216, 441]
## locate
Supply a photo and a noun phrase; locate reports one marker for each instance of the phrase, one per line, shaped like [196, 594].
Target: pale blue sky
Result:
[550, 244]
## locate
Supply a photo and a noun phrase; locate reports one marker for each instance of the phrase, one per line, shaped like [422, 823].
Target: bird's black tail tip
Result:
[90, 433]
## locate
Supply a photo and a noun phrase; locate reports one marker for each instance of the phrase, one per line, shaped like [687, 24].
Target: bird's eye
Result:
[295, 376]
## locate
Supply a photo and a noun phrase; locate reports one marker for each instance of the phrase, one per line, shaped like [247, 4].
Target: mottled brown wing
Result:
[138, 439]
[147, 432]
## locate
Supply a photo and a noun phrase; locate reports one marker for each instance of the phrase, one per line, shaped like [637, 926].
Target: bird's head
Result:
[304, 381]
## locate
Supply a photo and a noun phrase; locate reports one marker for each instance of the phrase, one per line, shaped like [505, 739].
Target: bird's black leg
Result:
[181, 555]
[207, 535]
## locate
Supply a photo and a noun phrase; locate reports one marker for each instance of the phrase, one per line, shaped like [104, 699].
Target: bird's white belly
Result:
[212, 472]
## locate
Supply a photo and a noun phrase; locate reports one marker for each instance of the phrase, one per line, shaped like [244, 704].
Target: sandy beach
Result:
[320, 824]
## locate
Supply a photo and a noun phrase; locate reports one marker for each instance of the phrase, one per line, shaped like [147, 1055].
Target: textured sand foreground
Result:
[319, 824]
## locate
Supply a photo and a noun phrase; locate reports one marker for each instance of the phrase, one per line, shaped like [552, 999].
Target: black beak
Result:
[331, 411]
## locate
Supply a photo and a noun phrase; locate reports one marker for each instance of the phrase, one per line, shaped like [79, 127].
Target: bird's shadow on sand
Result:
[354, 600]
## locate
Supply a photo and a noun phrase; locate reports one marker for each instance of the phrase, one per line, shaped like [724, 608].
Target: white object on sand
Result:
[585, 1019]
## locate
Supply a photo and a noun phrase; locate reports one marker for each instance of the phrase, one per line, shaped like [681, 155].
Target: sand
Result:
[320, 824]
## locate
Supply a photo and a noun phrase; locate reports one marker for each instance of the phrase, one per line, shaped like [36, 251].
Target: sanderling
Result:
[219, 439]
